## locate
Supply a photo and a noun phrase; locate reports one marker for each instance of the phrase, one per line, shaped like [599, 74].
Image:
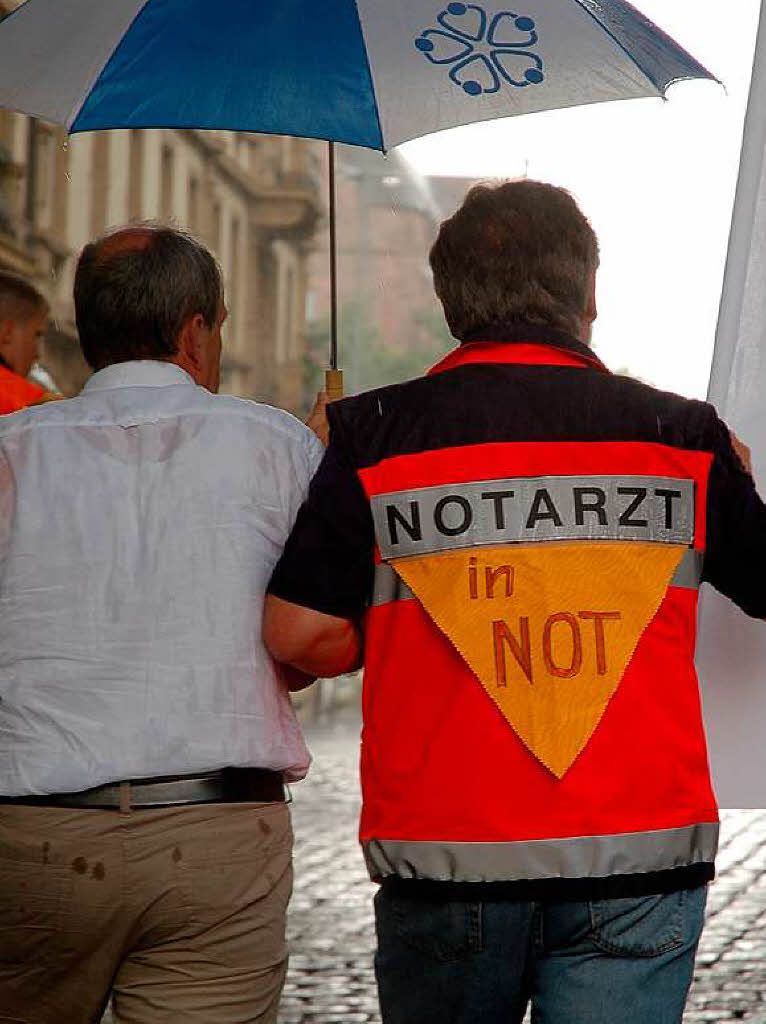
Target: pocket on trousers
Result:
[238, 873]
[34, 900]
[445, 931]
[641, 926]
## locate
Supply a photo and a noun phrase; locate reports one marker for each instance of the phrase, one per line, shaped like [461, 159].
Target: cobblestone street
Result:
[331, 980]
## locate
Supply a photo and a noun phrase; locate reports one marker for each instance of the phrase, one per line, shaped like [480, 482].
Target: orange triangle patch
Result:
[548, 629]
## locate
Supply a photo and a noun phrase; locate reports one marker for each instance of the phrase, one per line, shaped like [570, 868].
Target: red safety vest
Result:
[463, 781]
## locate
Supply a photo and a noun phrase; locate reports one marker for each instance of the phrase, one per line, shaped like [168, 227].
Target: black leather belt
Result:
[229, 785]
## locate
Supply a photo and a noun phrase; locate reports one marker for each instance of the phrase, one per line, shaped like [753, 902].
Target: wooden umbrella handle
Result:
[333, 384]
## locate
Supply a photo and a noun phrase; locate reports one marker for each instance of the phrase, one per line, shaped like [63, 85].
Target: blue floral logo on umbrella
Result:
[483, 52]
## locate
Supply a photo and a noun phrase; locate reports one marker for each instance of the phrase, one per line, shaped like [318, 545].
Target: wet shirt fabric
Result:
[525, 535]
[139, 525]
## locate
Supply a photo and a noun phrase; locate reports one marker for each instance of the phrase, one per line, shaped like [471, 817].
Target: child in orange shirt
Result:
[23, 319]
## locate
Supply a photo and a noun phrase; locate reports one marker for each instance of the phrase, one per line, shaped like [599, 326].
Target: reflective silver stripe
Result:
[389, 586]
[689, 572]
[587, 857]
[512, 510]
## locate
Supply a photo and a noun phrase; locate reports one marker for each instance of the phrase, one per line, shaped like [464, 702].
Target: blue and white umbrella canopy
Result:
[368, 72]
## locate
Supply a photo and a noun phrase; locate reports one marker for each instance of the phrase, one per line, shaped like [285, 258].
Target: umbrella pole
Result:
[333, 376]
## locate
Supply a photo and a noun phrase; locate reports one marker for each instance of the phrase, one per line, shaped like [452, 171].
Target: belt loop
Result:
[124, 796]
[538, 927]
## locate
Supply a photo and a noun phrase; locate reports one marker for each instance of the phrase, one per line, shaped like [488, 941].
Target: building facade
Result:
[391, 324]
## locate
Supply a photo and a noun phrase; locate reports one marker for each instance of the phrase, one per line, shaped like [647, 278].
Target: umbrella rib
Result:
[631, 57]
[383, 147]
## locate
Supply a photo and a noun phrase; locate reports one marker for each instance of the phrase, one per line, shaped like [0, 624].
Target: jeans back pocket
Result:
[641, 926]
[443, 930]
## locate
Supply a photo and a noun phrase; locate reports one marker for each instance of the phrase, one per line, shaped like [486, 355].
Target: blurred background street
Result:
[331, 981]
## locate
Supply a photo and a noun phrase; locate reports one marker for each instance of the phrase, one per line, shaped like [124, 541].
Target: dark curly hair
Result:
[520, 251]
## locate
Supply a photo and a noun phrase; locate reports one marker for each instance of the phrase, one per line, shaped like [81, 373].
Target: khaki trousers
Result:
[179, 912]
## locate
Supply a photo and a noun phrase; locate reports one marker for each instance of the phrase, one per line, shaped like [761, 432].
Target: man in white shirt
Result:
[145, 733]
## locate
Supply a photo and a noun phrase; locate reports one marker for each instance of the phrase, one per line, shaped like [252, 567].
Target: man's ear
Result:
[591, 310]
[191, 345]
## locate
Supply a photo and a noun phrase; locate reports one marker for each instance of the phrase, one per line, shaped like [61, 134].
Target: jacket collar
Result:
[138, 373]
[520, 343]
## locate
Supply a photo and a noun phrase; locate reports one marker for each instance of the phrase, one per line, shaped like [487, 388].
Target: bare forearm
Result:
[310, 641]
[331, 655]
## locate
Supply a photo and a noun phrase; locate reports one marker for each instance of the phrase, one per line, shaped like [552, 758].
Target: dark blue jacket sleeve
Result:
[328, 562]
[735, 557]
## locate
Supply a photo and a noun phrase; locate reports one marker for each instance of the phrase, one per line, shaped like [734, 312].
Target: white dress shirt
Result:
[139, 526]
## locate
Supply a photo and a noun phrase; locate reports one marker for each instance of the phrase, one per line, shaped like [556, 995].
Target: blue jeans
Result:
[600, 962]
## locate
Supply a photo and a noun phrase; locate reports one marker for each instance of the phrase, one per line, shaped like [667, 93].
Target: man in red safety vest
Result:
[23, 319]
[513, 545]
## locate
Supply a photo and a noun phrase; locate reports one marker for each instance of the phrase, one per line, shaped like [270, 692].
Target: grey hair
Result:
[133, 296]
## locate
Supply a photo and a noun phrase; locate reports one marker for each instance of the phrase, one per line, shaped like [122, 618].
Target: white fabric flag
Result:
[731, 654]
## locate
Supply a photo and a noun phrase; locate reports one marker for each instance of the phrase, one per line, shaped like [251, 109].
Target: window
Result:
[99, 182]
[235, 277]
[136, 175]
[291, 346]
[193, 214]
[167, 167]
[217, 227]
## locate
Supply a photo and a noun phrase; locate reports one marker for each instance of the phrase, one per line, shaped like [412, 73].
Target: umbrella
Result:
[366, 72]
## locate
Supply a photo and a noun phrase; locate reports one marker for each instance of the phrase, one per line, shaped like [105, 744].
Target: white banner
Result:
[731, 654]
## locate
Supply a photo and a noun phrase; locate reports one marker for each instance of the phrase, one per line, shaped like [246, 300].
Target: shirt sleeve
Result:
[328, 562]
[296, 455]
[735, 557]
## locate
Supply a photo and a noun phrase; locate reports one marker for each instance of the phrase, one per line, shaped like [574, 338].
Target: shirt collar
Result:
[139, 373]
[520, 343]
